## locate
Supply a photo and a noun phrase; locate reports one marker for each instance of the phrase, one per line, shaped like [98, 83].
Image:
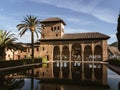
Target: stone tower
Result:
[53, 28]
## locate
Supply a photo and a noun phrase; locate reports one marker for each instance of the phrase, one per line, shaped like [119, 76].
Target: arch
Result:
[56, 65]
[76, 52]
[98, 53]
[65, 53]
[56, 53]
[87, 53]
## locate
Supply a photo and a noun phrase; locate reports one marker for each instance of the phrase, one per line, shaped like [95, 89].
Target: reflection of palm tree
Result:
[33, 24]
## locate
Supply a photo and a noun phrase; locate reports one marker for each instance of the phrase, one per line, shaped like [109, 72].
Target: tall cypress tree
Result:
[118, 32]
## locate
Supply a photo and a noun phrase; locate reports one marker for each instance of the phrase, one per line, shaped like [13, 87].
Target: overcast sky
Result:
[79, 15]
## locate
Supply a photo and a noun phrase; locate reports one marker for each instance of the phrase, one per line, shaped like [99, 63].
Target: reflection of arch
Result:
[56, 69]
[98, 53]
[76, 70]
[56, 53]
[87, 53]
[88, 70]
[76, 52]
[98, 71]
[65, 53]
[65, 70]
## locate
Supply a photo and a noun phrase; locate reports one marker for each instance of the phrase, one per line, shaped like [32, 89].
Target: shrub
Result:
[10, 63]
[115, 62]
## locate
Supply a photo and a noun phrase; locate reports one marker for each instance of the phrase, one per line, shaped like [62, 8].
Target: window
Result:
[25, 56]
[37, 49]
[58, 28]
[52, 28]
[8, 55]
[43, 48]
[56, 35]
[18, 57]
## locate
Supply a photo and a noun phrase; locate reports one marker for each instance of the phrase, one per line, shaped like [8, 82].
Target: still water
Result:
[71, 76]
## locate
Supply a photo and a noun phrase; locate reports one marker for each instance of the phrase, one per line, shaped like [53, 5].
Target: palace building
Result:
[72, 56]
[56, 45]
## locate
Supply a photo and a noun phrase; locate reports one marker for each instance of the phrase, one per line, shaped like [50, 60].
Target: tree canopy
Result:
[118, 32]
[7, 41]
[33, 24]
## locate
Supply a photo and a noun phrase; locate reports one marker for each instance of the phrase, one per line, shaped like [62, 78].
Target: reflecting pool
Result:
[63, 76]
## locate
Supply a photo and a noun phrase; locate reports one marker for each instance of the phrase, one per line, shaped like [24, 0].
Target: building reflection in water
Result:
[75, 71]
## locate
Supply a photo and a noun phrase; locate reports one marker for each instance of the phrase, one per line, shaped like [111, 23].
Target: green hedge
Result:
[10, 63]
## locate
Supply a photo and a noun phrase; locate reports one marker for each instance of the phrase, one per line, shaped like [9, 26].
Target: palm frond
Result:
[23, 31]
[7, 40]
[28, 23]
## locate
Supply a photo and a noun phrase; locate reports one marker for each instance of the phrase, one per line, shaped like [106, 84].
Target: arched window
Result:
[88, 53]
[56, 53]
[58, 28]
[98, 53]
[65, 53]
[76, 52]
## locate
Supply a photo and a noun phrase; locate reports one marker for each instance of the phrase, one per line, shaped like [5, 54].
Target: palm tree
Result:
[33, 24]
[7, 41]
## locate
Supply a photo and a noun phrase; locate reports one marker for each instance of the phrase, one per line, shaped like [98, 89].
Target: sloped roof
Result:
[113, 50]
[80, 36]
[54, 19]
[89, 35]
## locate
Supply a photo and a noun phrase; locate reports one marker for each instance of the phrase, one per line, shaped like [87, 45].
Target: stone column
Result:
[70, 51]
[60, 52]
[61, 64]
[51, 63]
[82, 52]
[93, 55]
[104, 50]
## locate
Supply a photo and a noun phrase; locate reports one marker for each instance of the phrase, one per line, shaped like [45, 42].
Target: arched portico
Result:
[56, 65]
[56, 53]
[76, 52]
[88, 53]
[98, 53]
[65, 53]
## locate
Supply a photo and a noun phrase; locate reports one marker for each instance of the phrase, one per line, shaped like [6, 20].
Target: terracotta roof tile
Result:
[92, 35]
[55, 19]
[81, 36]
